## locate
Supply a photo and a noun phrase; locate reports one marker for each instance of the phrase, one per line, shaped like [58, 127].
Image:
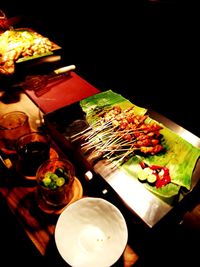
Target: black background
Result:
[145, 47]
[146, 50]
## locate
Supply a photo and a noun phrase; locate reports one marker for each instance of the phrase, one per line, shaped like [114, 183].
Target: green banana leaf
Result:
[132, 167]
[105, 100]
[179, 156]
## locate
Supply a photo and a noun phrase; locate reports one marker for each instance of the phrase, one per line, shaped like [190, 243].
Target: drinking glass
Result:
[32, 150]
[55, 178]
[13, 125]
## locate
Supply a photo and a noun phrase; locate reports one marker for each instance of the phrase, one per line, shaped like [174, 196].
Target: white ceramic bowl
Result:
[91, 232]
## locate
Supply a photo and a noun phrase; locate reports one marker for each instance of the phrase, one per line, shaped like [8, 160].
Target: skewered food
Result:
[119, 134]
[174, 164]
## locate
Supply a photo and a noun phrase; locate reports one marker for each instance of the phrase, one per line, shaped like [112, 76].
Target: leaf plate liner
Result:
[180, 156]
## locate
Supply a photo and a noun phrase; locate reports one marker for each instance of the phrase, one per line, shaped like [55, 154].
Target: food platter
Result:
[146, 200]
[22, 45]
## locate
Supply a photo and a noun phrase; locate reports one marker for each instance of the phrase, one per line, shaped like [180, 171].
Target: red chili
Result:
[161, 182]
[143, 164]
[166, 171]
[167, 179]
[155, 167]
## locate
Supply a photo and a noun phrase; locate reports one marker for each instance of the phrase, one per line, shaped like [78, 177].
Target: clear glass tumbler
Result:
[55, 178]
[32, 149]
[13, 125]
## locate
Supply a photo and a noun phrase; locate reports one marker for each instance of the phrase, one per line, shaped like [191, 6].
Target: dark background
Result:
[146, 50]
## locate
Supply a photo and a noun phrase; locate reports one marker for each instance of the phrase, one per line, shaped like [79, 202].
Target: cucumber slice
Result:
[142, 175]
[151, 178]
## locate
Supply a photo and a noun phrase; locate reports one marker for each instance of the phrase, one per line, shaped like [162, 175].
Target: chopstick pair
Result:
[40, 83]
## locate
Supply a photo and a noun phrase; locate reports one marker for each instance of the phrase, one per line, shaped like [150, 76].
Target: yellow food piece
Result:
[15, 44]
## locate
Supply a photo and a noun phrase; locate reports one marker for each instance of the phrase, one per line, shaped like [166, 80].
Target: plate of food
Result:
[127, 137]
[20, 45]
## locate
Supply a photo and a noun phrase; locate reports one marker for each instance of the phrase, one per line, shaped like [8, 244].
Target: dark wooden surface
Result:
[19, 195]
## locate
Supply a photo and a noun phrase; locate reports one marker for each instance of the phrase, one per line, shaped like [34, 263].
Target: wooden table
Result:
[21, 194]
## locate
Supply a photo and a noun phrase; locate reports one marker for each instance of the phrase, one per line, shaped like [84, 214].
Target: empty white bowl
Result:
[91, 232]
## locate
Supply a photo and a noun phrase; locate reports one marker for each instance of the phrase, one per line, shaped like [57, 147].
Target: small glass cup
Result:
[13, 125]
[32, 150]
[55, 178]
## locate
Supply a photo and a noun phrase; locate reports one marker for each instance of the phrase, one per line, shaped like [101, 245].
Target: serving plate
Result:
[91, 232]
[23, 45]
[149, 204]
[54, 46]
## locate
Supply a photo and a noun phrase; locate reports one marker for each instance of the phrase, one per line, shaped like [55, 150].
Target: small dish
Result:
[91, 232]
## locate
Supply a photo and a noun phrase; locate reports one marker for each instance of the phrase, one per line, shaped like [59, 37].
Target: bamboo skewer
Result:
[105, 138]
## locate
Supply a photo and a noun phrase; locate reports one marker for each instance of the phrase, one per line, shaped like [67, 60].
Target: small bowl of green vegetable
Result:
[55, 178]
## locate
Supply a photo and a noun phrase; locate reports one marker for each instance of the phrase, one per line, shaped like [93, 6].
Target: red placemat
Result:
[63, 93]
